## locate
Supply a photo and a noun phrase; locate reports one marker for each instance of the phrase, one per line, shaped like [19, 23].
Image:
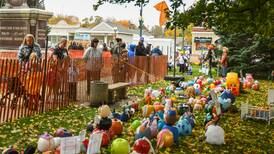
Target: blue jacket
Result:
[25, 52]
[131, 50]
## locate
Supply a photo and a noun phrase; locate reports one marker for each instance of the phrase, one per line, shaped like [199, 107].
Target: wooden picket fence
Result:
[41, 86]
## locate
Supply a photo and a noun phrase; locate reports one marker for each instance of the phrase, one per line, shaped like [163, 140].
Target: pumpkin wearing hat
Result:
[116, 127]
[165, 139]
[142, 146]
[104, 111]
[45, 143]
[120, 146]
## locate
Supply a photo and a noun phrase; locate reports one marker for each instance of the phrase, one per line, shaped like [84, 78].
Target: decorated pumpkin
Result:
[184, 127]
[120, 146]
[135, 124]
[174, 131]
[190, 91]
[154, 127]
[170, 117]
[165, 139]
[135, 105]
[225, 103]
[142, 146]
[116, 127]
[147, 110]
[62, 132]
[104, 111]
[143, 130]
[158, 106]
[45, 143]
[256, 85]
[182, 108]
[215, 135]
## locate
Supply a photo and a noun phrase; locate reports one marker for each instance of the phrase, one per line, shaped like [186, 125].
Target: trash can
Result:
[98, 93]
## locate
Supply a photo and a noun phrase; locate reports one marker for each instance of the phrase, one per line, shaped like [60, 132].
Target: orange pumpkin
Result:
[147, 110]
[116, 128]
[158, 107]
[148, 99]
[165, 138]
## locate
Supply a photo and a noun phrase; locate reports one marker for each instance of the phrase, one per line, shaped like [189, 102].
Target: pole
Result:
[175, 27]
[45, 73]
[141, 21]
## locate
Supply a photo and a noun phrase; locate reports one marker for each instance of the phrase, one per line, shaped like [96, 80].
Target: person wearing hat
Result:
[140, 52]
[116, 51]
[93, 58]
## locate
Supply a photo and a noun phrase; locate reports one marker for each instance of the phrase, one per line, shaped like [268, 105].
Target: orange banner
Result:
[163, 8]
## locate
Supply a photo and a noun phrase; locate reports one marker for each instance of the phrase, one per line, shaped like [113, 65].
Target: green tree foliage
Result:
[157, 31]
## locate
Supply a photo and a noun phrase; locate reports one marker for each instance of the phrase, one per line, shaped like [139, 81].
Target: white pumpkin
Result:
[104, 111]
[45, 143]
[215, 135]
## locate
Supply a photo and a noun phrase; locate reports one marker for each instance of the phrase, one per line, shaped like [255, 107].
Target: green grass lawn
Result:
[250, 136]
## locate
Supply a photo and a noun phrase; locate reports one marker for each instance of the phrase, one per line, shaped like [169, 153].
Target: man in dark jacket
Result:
[140, 48]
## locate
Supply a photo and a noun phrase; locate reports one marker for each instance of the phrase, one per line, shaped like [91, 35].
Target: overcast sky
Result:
[83, 8]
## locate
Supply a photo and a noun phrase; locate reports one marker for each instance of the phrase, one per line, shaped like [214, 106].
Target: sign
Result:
[203, 39]
[70, 145]
[94, 144]
[82, 36]
[12, 32]
[41, 38]
[271, 96]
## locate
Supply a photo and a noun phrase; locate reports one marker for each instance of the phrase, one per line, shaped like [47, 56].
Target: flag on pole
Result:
[163, 8]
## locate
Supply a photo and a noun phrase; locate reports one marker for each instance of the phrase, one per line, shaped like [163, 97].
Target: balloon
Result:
[120, 146]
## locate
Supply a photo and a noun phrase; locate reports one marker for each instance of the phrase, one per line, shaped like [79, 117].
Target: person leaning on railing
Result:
[28, 47]
[93, 58]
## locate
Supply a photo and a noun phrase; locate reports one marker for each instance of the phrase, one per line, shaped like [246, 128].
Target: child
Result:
[73, 73]
[189, 69]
